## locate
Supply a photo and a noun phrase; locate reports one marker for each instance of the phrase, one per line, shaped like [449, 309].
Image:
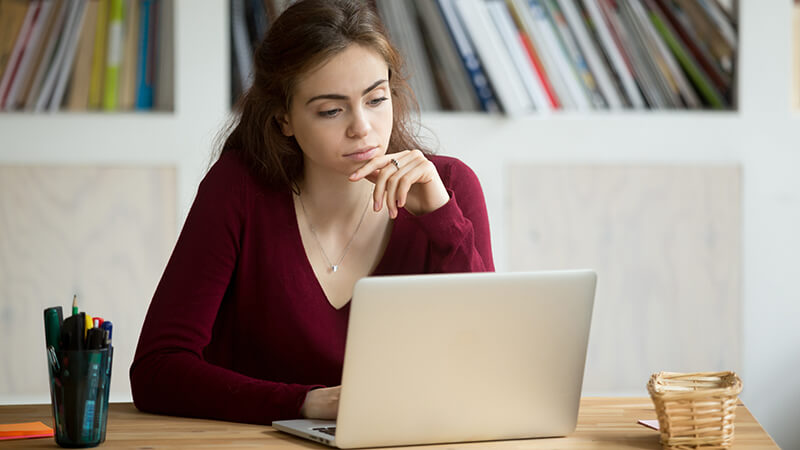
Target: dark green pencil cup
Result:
[79, 385]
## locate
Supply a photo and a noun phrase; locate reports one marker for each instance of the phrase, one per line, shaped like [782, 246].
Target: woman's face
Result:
[341, 112]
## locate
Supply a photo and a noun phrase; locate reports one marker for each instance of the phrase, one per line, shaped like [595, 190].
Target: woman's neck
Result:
[330, 197]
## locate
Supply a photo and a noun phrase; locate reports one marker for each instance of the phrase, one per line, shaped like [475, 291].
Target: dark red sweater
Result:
[239, 328]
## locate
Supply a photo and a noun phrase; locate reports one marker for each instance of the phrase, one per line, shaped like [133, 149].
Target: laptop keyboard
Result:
[327, 430]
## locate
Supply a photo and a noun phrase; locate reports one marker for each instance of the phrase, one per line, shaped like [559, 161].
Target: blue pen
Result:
[108, 326]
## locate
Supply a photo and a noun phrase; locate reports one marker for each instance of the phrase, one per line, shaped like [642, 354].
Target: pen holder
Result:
[79, 385]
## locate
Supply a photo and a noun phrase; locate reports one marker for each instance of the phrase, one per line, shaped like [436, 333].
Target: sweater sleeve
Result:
[459, 230]
[169, 374]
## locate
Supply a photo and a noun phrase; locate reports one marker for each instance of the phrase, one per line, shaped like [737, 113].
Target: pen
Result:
[52, 326]
[88, 326]
[108, 326]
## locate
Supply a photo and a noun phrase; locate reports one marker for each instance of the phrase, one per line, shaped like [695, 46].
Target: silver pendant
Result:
[334, 268]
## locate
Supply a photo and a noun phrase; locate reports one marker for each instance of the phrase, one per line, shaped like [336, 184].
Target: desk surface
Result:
[603, 423]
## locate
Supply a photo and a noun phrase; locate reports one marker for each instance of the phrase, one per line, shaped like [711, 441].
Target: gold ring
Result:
[396, 164]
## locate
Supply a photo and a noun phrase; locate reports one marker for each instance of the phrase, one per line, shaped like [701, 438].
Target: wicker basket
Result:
[695, 410]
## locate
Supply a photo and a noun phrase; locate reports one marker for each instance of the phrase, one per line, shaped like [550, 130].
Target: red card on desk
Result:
[27, 430]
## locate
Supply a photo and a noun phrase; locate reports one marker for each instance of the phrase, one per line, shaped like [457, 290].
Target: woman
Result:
[320, 183]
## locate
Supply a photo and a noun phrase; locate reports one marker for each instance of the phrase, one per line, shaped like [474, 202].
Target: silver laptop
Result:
[460, 357]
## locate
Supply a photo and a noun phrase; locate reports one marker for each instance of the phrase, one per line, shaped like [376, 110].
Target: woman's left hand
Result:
[411, 183]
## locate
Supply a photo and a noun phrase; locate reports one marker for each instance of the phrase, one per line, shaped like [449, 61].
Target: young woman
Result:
[320, 183]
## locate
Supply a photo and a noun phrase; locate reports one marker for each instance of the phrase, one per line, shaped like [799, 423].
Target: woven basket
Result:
[695, 410]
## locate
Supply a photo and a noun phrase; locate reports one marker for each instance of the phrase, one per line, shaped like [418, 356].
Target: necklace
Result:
[334, 267]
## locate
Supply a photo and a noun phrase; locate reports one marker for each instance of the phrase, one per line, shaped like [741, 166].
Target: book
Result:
[594, 60]
[706, 89]
[50, 28]
[667, 63]
[574, 55]
[130, 54]
[700, 23]
[511, 93]
[615, 54]
[545, 70]
[78, 93]
[527, 72]
[544, 26]
[165, 74]
[99, 56]
[72, 31]
[403, 29]
[47, 58]
[472, 64]
[12, 15]
[114, 52]
[21, 42]
[19, 71]
[243, 51]
[446, 60]
[147, 43]
[699, 51]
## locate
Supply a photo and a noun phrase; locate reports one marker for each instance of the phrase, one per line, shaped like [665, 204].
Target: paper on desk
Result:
[650, 424]
[28, 430]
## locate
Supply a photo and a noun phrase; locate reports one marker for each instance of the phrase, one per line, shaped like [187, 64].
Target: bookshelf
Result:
[761, 136]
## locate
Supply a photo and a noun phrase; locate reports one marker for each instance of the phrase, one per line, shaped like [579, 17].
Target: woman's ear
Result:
[286, 127]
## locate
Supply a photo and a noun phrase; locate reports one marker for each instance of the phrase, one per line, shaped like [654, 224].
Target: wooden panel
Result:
[666, 243]
[103, 233]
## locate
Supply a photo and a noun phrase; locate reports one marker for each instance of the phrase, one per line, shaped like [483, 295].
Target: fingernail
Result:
[353, 175]
[377, 206]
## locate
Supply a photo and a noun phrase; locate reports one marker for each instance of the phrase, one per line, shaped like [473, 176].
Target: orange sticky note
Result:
[26, 430]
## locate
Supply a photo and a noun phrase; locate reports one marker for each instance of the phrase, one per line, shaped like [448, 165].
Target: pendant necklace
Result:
[333, 267]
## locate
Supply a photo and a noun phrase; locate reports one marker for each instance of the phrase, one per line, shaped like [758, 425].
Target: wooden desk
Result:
[603, 423]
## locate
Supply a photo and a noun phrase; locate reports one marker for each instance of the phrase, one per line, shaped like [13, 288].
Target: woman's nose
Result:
[359, 126]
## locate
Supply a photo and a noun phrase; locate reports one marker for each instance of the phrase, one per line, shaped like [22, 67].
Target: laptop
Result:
[460, 357]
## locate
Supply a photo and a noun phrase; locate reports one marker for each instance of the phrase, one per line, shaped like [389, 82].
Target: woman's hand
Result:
[408, 180]
[322, 403]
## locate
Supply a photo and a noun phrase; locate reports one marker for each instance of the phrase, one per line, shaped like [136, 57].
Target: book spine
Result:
[144, 85]
[15, 59]
[470, 60]
[116, 16]
[65, 69]
[593, 59]
[99, 56]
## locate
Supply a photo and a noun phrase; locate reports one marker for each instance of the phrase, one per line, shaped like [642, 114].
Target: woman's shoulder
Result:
[231, 171]
[452, 170]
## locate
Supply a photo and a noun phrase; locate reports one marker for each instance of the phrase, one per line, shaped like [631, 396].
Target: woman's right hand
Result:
[322, 403]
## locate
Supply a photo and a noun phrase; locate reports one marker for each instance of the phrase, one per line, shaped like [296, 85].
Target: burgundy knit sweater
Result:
[239, 327]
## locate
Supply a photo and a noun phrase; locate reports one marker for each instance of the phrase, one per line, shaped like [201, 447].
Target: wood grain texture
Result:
[104, 233]
[603, 423]
[666, 244]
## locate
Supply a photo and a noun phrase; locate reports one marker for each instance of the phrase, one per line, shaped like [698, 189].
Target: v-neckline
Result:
[310, 269]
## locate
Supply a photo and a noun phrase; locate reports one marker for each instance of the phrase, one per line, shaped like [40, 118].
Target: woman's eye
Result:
[329, 113]
[377, 101]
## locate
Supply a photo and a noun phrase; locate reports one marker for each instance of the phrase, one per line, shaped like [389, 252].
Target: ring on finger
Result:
[396, 164]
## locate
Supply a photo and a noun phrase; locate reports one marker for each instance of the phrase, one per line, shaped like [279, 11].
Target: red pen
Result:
[97, 321]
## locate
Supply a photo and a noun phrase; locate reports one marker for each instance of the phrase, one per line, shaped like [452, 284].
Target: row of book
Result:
[84, 55]
[519, 56]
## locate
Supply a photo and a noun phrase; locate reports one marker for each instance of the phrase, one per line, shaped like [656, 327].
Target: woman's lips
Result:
[362, 156]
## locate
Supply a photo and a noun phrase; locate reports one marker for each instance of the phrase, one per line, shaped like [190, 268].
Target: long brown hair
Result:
[302, 38]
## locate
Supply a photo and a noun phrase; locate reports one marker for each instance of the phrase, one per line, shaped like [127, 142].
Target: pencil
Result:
[75, 304]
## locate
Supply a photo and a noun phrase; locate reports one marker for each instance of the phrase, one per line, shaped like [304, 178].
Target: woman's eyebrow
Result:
[344, 97]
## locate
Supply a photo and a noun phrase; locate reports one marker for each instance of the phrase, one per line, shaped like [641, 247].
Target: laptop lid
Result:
[464, 357]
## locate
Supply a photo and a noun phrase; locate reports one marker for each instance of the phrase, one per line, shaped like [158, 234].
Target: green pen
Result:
[52, 326]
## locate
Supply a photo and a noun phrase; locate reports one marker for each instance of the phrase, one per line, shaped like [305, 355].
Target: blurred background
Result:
[656, 141]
